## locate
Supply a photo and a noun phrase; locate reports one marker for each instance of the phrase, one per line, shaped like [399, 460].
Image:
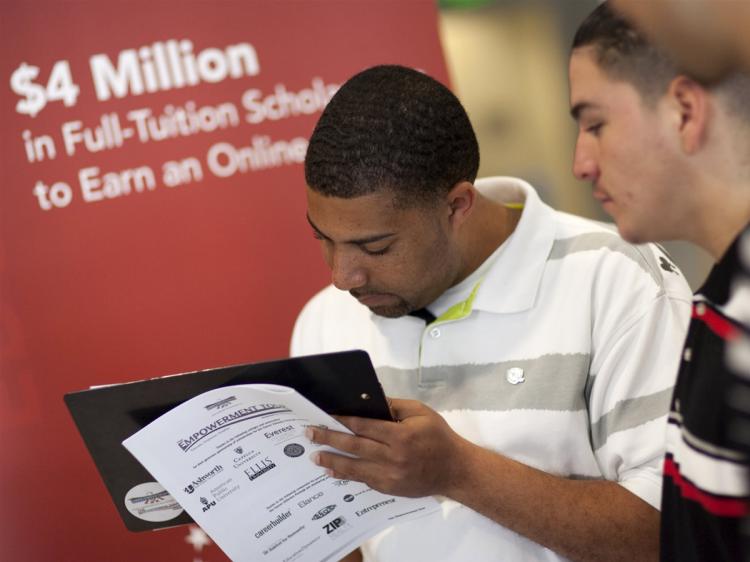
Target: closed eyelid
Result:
[587, 114]
[375, 252]
[359, 242]
[374, 247]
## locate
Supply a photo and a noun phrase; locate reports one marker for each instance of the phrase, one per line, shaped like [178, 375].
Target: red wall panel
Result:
[211, 272]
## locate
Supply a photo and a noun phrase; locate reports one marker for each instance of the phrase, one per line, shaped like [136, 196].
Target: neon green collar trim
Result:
[463, 309]
[460, 309]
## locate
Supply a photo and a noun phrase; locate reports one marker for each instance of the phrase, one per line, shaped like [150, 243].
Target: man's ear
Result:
[690, 100]
[461, 199]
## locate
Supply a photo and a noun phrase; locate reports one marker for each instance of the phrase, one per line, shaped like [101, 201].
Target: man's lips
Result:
[601, 196]
[372, 299]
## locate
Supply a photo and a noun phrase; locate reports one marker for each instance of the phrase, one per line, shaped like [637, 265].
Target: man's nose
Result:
[585, 166]
[346, 271]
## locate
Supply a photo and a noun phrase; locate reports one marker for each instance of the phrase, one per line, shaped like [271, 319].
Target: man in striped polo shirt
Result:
[530, 354]
[669, 159]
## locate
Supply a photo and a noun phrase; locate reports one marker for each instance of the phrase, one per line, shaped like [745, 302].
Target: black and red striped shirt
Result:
[706, 486]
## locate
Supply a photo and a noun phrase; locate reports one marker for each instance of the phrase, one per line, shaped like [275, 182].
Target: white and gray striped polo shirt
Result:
[561, 355]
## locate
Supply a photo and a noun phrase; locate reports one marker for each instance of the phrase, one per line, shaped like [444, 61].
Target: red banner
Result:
[152, 217]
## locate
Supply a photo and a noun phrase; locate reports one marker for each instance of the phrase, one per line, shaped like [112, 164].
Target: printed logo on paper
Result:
[151, 502]
[260, 468]
[221, 404]
[294, 450]
[335, 527]
[323, 512]
[202, 479]
[207, 504]
[309, 500]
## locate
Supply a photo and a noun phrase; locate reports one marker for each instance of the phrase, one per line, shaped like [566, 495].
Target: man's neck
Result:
[492, 224]
[722, 217]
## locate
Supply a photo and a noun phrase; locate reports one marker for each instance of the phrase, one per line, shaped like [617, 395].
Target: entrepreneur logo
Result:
[202, 479]
[374, 506]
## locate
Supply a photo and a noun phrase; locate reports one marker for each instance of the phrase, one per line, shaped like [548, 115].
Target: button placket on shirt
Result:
[430, 337]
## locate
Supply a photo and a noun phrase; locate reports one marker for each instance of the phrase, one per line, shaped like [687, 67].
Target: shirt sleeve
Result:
[638, 340]
[306, 335]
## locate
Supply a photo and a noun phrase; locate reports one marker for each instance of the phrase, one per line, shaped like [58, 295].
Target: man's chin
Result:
[390, 311]
[383, 304]
[394, 309]
[636, 233]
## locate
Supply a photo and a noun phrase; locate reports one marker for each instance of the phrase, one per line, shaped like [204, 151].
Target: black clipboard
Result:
[342, 383]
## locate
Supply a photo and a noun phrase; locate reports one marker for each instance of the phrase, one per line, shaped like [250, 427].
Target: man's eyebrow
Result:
[355, 241]
[315, 228]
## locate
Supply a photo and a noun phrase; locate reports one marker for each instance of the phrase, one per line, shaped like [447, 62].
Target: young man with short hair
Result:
[530, 354]
[669, 158]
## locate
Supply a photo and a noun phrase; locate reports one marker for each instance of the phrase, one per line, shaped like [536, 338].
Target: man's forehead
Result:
[591, 87]
[360, 217]
[382, 200]
[584, 68]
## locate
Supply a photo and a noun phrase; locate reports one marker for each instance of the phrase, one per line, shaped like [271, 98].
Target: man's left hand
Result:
[414, 457]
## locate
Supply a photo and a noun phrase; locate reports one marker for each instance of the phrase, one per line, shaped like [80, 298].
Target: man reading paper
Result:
[530, 354]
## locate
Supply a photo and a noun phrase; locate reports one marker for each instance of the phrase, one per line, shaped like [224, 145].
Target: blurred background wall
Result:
[508, 63]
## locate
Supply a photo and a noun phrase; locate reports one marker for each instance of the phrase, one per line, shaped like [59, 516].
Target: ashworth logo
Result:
[224, 403]
[238, 450]
[190, 488]
[515, 375]
[323, 512]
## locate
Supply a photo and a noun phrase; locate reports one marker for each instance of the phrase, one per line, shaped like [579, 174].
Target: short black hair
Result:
[395, 128]
[624, 53]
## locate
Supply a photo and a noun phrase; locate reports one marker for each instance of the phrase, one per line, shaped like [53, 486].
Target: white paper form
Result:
[238, 462]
